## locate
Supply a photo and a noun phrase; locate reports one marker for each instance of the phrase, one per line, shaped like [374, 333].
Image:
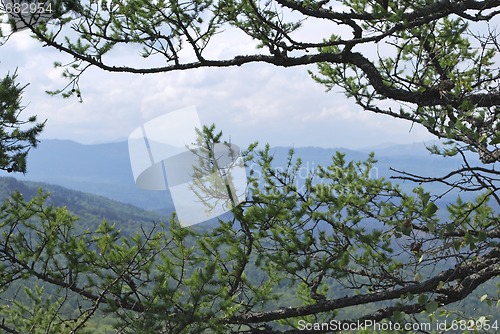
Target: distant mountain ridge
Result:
[104, 169]
[90, 209]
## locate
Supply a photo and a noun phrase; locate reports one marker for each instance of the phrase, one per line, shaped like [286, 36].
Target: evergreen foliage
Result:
[17, 136]
[290, 255]
[338, 241]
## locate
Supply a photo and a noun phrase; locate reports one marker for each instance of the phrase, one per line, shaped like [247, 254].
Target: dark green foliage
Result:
[394, 255]
[16, 136]
[90, 209]
[297, 249]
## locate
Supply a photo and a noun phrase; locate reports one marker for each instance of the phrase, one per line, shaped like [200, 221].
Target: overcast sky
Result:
[256, 102]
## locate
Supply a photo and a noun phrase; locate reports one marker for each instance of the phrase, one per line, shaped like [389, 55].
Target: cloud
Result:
[251, 102]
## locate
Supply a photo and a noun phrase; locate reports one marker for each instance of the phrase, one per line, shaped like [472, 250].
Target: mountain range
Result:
[105, 169]
[102, 185]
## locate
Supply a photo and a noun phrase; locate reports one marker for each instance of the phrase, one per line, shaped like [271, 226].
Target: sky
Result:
[254, 102]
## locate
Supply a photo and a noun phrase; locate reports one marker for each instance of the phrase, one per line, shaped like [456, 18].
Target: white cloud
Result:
[251, 102]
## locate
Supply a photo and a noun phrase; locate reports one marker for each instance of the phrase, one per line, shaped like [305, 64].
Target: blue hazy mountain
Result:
[104, 169]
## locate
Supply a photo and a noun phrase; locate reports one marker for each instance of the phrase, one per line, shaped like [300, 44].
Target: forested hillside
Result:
[91, 209]
[320, 240]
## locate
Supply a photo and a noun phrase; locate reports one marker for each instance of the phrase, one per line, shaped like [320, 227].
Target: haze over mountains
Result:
[104, 169]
